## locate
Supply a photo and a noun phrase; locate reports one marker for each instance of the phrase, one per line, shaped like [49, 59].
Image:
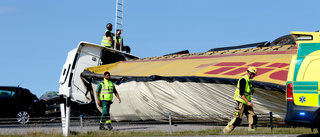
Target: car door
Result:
[6, 102]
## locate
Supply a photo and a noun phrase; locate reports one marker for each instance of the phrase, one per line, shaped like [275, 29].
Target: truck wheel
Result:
[23, 117]
[284, 40]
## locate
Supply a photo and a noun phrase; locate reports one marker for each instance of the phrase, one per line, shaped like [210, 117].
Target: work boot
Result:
[109, 126]
[252, 128]
[225, 131]
[102, 127]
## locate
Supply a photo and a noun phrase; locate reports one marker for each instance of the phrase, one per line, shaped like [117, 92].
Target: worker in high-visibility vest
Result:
[105, 91]
[107, 39]
[244, 105]
[119, 42]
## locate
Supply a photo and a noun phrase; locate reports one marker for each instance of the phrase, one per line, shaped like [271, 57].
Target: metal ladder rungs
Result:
[119, 19]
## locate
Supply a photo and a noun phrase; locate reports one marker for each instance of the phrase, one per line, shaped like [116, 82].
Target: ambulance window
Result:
[304, 37]
[312, 72]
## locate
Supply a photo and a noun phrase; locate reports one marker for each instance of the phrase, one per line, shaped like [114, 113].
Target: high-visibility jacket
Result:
[106, 92]
[248, 91]
[105, 40]
[118, 40]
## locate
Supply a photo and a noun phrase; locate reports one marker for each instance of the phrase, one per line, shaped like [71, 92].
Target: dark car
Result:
[19, 103]
[51, 99]
[52, 102]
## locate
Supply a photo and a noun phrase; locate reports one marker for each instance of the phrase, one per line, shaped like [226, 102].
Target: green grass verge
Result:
[213, 131]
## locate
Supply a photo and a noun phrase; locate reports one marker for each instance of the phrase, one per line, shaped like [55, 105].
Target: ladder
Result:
[119, 20]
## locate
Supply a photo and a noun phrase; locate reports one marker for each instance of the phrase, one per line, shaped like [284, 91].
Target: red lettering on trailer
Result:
[219, 70]
[279, 75]
[263, 70]
[257, 64]
[237, 68]
[237, 71]
[278, 65]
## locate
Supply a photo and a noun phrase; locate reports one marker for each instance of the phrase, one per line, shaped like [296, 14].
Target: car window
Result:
[50, 94]
[4, 94]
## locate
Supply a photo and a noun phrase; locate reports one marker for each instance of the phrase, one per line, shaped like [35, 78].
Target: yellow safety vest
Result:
[106, 92]
[118, 40]
[247, 93]
[105, 40]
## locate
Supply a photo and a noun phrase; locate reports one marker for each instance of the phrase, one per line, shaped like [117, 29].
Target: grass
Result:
[213, 131]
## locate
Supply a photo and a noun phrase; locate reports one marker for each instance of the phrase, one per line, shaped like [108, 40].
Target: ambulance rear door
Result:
[307, 75]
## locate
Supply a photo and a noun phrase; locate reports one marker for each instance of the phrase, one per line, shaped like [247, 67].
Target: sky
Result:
[36, 35]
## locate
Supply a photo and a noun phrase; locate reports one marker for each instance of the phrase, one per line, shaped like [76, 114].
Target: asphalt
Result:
[146, 128]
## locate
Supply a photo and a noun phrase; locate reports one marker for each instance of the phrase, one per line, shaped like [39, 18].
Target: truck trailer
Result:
[180, 84]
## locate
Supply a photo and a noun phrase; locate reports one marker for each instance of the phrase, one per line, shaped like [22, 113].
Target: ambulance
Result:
[302, 87]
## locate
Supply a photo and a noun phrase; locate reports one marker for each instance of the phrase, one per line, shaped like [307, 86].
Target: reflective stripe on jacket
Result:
[247, 93]
[106, 92]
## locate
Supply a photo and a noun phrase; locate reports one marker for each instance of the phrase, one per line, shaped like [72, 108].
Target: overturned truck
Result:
[181, 83]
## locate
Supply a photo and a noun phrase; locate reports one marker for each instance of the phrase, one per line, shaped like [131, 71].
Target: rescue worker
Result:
[107, 39]
[244, 105]
[105, 91]
[119, 42]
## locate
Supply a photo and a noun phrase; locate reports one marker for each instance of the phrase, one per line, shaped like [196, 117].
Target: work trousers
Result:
[105, 115]
[238, 113]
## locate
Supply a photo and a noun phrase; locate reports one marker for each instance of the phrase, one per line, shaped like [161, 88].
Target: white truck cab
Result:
[72, 87]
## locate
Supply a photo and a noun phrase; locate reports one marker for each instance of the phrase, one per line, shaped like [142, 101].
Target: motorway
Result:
[52, 125]
[23, 130]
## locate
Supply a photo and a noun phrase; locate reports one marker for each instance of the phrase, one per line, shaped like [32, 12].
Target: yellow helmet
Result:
[253, 70]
